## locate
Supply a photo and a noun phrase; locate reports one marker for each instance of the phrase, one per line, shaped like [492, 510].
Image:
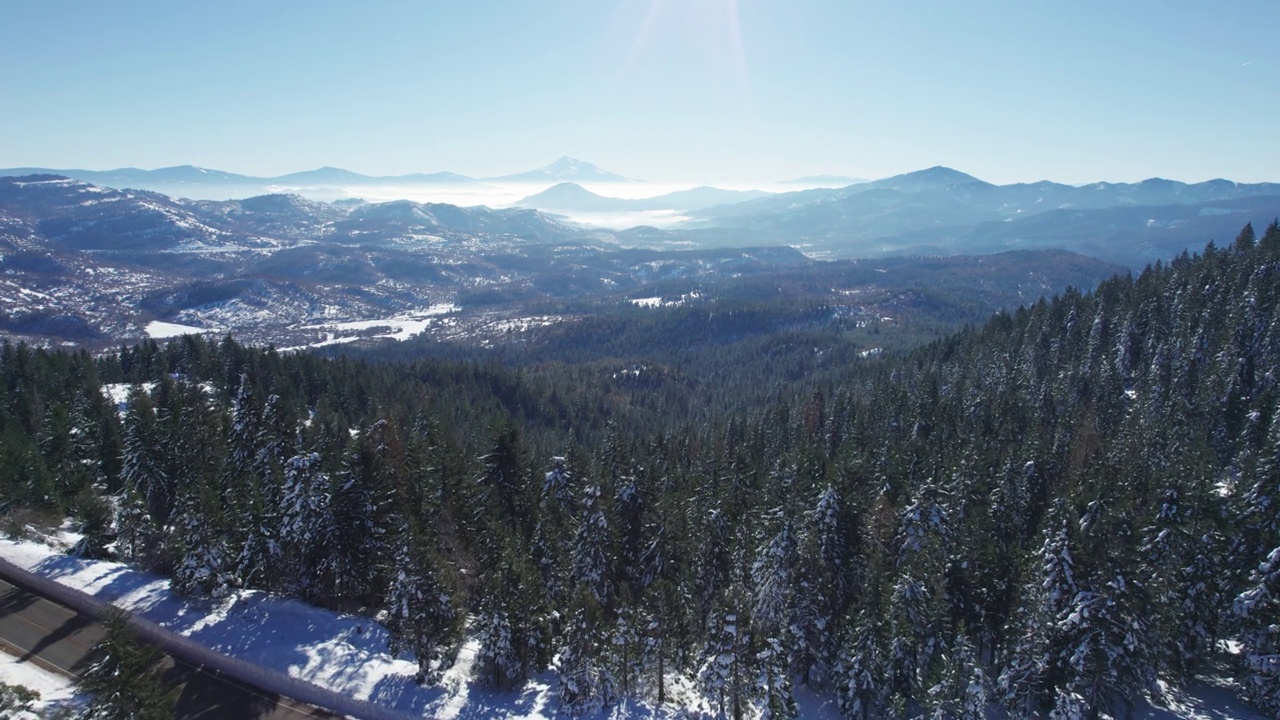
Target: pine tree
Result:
[590, 567]
[143, 471]
[772, 578]
[1107, 647]
[354, 532]
[773, 681]
[421, 616]
[204, 566]
[962, 691]
[303, 514]
[626, 651]
[1258, 610]
[497, 658]
[586, 682]
[861, 690]
[1025, 681]
[825, 580]
[726, 671]
[124, 680]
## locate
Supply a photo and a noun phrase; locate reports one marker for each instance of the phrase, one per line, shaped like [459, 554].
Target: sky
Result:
[714, 91]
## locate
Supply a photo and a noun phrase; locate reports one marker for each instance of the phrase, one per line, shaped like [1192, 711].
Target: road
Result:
[57, 638]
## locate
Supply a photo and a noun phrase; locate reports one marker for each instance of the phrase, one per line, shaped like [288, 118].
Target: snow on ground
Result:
[157, 329]
[1209, 698]
[345, 653]
[400, 327]
[348, 654]
[118, 394]
[56, 691]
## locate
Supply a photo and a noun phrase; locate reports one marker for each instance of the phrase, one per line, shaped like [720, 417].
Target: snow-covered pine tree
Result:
[303, 513]
[962, 690]
[1181, 566]
[629, 577]
[586, 682]
[1257, 609]
[356, 526]
[626, 652]
[773, 681]
[590, 565]
[1107, 647]
[1024, 679]
[772, 580]
[916, 608]
[203, 566]
[497, 658]
[143, 472]
[726, 669]
[826, 576]
[1259, 507]
[421, 616]
[124, 681]
[861, 670]
[260, 558]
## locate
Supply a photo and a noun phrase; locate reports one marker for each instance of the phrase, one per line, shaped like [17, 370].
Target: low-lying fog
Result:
[494, 195]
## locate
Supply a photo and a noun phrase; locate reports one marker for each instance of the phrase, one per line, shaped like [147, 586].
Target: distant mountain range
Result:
[95, 265]
[935, 210]
[944, 210]
[189, 180]
[569, 196]
[562, 170]
[190, 175]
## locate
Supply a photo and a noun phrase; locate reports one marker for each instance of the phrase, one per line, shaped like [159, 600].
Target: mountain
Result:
[328, 176]
[95, 265]
[705, 196]
[572, 196]
[1127, 235]
[204, 183]
[569, 196]
[143, 179]
[942, 208]
[338, 177]
[934, 178]
[564, 169]
[431, 178]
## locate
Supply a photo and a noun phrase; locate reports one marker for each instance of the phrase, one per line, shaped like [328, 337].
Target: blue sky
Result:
[668, 90]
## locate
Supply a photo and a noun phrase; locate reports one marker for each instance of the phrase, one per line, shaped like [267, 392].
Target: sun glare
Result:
[714, 26]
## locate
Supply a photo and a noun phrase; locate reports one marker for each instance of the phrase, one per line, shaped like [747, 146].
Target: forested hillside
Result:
[1047, 513]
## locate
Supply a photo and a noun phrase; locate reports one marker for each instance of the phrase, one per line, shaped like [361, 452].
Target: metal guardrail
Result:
[186, 649]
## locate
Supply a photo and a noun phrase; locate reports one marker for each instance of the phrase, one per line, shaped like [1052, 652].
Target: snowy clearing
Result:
[157, 329]
[399, 327]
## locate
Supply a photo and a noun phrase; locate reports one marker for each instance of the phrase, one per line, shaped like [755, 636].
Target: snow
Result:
[344, 653]
[56, 690]
[1212, 698]
[399, 327]
[347, 653]
[157, 329]
[118, 394]
[656, 302]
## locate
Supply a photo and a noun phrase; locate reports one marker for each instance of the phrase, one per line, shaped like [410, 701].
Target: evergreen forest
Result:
[1046, 513]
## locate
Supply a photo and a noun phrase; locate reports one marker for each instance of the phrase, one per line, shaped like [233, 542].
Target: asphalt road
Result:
[57, 638]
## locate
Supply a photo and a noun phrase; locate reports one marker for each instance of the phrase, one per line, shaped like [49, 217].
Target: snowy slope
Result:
[344, 653]
[348, 654]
